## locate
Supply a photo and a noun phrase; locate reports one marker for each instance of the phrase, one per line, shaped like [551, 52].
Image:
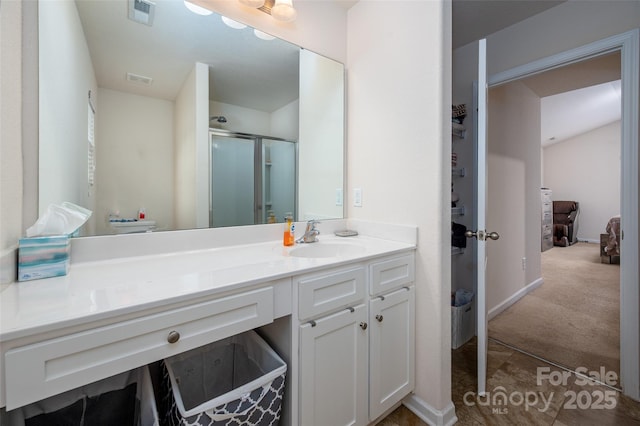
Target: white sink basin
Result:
[329, 249]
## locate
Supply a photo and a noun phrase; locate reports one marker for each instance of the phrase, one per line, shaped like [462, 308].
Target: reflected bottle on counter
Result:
[271, 217]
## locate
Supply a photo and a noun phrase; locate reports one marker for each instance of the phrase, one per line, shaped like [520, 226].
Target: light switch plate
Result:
[357, 197]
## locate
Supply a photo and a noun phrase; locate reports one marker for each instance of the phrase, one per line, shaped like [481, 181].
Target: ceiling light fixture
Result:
[280, 10]
[199, 10]
[284, 11]
[252, 3]
[233, 24]
[263, 36]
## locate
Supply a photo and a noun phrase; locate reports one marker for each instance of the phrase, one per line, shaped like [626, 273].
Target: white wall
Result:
[399, 153]
[11, 182]
[185, 154]
[135, 135]
[513, 190]
[321, 144]
[240, 119]
[285, 121]
[191, 190]
[281, 123]
[66, 76]
[586, 169]
[564, 27]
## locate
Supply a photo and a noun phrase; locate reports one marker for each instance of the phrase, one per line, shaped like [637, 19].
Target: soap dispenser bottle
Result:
[289, 228]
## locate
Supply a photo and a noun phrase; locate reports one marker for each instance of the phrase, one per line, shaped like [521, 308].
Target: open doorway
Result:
[571, 316]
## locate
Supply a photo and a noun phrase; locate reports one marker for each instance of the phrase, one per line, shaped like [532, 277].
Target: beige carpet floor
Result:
[573, 318]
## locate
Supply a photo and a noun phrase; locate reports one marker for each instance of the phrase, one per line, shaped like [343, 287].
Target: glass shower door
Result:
[278, 178]
[232, 174]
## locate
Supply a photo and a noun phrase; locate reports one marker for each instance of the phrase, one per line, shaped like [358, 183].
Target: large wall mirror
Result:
[184, 117]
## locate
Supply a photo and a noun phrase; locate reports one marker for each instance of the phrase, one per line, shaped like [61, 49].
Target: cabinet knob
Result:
[173, 337]
[379, 318]
[363, 325]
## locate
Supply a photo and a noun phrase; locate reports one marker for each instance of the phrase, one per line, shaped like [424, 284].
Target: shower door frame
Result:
[258, 202]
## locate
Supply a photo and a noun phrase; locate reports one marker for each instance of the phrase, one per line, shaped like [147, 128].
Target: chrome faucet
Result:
[310, 234]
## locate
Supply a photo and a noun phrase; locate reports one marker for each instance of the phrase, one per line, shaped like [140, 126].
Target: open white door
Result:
[480, 233]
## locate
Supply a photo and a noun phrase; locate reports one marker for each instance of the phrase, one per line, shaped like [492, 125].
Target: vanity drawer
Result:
[392, 273]
[323, 293]
[40, 370]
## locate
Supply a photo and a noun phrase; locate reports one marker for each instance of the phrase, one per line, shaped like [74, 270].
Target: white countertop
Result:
[102, 289]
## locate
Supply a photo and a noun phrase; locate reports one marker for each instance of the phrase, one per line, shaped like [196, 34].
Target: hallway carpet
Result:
[573, 318]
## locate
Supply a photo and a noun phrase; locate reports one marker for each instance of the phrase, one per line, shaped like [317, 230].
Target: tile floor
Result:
[516, 398]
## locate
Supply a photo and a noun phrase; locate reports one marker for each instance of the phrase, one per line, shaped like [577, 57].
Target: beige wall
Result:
[586, 169]
[513, 190]
[136, 146]
[399, 148]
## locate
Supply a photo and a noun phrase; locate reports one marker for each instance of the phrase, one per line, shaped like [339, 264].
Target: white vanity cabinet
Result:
[333, 346]
[356, 357]
[391, 349]
[344, 325]
[392, 332]
[333, 369]
[48, 367]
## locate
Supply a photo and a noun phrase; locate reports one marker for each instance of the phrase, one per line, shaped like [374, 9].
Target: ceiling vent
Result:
[139, 79]
[142, 11]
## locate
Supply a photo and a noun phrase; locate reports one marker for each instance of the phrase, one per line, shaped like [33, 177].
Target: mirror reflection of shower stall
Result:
[252, 178]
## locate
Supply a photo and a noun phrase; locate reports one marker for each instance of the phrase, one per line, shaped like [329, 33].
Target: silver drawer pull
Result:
[381, 298]
[173, 337]
[351, 309]
[313, 323]
[379, 318]
[363, 325]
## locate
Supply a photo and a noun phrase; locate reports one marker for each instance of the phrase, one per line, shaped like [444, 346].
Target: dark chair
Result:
[565, 228]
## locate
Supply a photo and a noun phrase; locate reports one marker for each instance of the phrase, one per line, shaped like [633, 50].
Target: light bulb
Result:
[263, 36]
[283, 11]
[252, 3]
[233, 24]
[197, 9]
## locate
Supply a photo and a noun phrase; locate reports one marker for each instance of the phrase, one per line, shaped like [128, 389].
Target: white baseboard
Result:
[588, 240]
[429, 414]
[514, 298]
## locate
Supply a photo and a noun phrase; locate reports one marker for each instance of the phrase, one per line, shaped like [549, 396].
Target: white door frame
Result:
[628, 44]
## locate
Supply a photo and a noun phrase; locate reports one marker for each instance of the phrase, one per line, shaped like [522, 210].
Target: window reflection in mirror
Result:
[151, 90]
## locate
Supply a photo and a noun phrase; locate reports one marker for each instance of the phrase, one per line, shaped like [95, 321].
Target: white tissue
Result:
[64, 219]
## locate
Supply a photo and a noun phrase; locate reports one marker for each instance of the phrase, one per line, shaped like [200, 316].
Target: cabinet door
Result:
[392, 347]
[333, 369]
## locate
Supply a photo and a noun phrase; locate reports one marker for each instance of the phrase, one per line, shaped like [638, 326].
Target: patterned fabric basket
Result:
[235, 381]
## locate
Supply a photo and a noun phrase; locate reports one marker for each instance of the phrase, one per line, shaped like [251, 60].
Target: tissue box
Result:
[43, 257]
